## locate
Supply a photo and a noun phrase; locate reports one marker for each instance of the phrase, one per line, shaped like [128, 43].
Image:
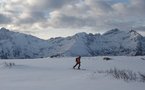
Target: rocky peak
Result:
[135, 34]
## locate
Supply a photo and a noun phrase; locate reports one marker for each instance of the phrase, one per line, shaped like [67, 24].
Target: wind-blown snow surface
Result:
[57, 74]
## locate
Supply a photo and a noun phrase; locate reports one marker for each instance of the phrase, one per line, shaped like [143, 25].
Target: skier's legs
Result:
[75, 65]
[79, 65]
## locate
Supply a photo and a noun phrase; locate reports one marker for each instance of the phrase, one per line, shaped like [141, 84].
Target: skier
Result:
[78, 62]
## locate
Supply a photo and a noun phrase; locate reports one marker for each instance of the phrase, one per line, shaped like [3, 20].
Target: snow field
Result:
[57, 74]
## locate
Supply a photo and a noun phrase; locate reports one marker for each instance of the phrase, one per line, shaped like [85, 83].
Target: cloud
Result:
[73, 14]
[133, 9]
[140, 28]
[32, 11]
[29, 17]
[71, 21]
[99, 6]
[4, 19]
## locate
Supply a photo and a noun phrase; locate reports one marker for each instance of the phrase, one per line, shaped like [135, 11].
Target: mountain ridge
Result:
[113, 42]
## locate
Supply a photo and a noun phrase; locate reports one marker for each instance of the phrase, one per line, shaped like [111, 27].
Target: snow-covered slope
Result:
[116, 42]
[71, 46]
[57, 74]
[18, 45]
[113, 42]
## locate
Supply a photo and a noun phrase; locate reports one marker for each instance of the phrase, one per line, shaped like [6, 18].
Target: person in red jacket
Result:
[78, 62]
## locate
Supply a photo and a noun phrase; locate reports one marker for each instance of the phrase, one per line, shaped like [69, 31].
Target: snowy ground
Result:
[57, 74]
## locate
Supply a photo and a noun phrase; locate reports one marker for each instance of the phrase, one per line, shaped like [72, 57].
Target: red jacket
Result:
[78, 60]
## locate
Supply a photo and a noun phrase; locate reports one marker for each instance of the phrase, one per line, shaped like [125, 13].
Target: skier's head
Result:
[79, 56]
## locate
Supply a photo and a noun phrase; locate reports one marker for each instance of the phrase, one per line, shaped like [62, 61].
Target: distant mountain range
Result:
[114, 42]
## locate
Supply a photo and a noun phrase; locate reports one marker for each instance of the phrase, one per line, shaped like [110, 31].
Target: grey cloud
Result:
[48, 4]
[72, 22]
[123, 25]
[31, 17]
[138, 6]
[140, 28]
[99, 5]
[134, 9]
[33, 11]
[74, 13]
[5, 19]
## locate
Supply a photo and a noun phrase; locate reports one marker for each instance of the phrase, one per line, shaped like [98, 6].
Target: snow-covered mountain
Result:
[18, 45]
[113, 42]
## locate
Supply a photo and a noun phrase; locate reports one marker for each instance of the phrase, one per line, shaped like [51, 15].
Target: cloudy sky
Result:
[52, 18]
